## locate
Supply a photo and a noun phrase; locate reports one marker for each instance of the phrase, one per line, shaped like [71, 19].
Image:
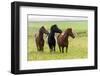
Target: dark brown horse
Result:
[62, 39]
[39, 38]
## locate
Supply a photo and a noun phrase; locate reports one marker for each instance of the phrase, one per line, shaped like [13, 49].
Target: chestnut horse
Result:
[39, 38]
[62, 39]
[51, 37]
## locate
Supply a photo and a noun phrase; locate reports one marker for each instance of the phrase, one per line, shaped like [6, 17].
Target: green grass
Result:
[77, 47]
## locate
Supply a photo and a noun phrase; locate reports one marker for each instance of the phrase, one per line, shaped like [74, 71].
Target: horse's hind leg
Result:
[54, 48]
[37, 47]
[66, 49]
[42, 49]
[62, 49]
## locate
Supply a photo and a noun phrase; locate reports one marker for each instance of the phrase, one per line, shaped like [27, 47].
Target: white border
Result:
[26, 65]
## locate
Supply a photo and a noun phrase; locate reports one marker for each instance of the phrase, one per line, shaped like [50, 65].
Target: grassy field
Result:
[77, 47]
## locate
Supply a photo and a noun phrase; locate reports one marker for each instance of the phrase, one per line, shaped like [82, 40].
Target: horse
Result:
[62, 39]
[39, 38]
[51, 37]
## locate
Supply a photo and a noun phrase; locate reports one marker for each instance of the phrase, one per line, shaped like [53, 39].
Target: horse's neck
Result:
[52, 33]
[66, 36]
[40, 35]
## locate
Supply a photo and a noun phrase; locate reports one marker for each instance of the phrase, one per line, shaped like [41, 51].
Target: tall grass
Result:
[77, 47]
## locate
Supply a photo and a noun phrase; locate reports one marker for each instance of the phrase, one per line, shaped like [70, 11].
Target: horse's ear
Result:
[70, 29]
[55, 25]
[42, 27]
[52, 27]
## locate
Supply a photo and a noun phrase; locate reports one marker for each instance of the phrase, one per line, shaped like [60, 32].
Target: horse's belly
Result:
[41, 43]
[51, 41]
[62, 43]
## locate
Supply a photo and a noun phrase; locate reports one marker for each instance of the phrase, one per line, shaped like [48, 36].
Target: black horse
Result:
[51, 37]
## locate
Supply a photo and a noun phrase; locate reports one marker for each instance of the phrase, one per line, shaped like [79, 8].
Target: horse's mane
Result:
[41, 28]
[53, 26]
[64, 34]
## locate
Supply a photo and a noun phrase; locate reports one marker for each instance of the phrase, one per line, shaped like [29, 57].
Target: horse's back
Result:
[60, 40]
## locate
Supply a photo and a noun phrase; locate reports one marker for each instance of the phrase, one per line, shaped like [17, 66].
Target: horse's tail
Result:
[35, 38]
[35, 35]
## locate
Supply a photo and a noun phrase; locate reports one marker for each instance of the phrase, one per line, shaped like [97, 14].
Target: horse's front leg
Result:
[67, 47]
[43, 45]
[41, 49]
[37, 47]
[54, 45]
[51, 48]
[60, 49]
